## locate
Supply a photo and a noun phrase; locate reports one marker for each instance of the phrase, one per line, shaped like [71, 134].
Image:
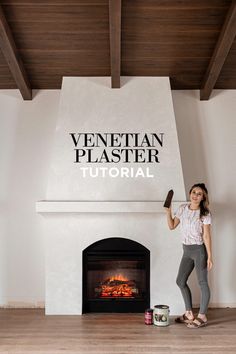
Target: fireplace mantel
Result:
[60, 206]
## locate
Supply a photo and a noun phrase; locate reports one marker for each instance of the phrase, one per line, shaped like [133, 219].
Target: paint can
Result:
[148, 318]
[161, 315]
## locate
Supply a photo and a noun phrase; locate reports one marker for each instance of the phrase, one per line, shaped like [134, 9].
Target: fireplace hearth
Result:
[116, 276]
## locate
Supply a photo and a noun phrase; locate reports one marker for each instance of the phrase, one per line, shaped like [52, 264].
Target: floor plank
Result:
[30, 331]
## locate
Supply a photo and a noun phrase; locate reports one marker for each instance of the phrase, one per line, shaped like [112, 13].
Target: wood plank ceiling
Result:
[192, 42]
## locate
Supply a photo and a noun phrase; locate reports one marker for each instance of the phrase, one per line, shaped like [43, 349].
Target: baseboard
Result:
[219, 305]
[222, 305]
[41, 305]
[23, 305]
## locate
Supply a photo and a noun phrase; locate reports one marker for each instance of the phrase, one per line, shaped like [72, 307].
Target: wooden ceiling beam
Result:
[221, 51]
[115, 41]
[13, 59]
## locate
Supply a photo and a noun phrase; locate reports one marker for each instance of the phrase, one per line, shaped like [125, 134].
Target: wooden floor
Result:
[30, 331]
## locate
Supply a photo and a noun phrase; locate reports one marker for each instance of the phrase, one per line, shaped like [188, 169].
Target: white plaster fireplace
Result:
[79, 210]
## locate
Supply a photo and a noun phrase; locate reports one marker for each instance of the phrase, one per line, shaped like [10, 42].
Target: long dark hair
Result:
[204, 204]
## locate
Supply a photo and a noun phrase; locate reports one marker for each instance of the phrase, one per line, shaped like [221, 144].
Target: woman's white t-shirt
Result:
[191, 224]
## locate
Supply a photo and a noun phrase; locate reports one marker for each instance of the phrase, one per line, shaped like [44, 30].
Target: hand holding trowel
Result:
[168, 199]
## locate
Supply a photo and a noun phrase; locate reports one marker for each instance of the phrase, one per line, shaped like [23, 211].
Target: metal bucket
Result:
[161, 315]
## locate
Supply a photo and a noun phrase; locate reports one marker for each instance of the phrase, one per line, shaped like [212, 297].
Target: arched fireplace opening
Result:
[116, 276]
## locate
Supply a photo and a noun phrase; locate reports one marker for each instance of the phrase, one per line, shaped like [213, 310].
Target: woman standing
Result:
[195, 221]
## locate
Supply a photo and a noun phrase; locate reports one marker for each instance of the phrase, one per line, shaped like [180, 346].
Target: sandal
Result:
[183, 319]
[197, 323]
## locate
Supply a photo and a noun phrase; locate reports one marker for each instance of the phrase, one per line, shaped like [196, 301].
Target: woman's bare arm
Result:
[207, 242]
[172, 222]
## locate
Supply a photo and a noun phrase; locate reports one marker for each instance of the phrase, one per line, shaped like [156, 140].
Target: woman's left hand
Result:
[209, 263]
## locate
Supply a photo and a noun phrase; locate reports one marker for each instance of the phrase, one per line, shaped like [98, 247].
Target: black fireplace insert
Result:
[116, 276]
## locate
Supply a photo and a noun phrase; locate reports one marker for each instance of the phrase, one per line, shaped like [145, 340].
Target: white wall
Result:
[206, 131]
[207, 144]
[26, 130]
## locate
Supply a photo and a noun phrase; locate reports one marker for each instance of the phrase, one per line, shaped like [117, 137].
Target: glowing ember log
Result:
[117, 286]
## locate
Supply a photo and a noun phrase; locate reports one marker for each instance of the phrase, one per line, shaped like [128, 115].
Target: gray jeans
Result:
[194, 256]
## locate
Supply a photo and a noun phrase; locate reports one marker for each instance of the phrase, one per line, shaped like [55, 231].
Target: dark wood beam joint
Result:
[115, 41]
[13, 59]
[221, 51]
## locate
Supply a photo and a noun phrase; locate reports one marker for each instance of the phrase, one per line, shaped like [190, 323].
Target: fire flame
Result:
[118, 277]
